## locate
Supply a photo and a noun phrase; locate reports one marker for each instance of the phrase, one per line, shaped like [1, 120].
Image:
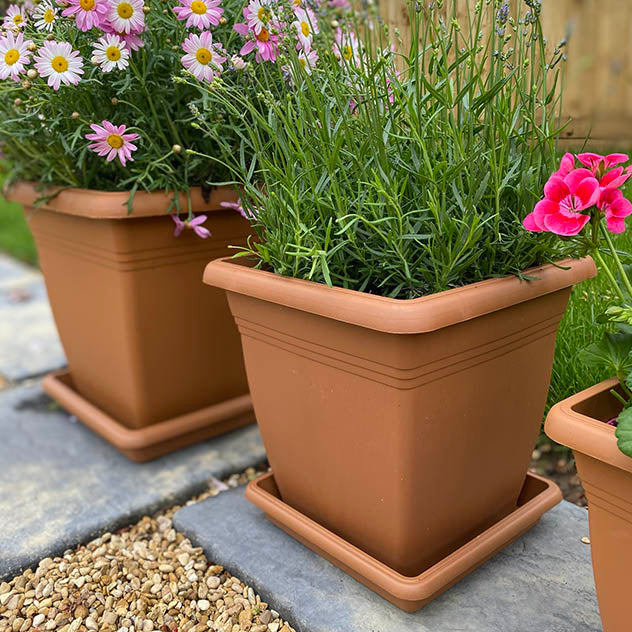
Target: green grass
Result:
[578, 330]
[15, 236]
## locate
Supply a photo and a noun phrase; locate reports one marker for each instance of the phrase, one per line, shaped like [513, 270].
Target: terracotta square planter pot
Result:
[146, 340]
[403, 426]
[606, 473]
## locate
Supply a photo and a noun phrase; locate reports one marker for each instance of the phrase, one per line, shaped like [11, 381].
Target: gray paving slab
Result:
[29, 344]
[543, 582]
[61, 485]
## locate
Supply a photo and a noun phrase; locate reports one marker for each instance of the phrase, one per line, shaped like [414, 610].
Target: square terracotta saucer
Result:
[150, 442]
[408, 593]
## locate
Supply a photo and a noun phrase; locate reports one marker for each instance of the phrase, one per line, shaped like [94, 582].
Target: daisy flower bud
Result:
[74, 116]
[335, 24]
[26, 84]
[176, 149]
[31, 73]
[146, 9]
[94, 61]
[32, 47]
[223, 20]
[50, 37]
[17, 102]
[114, 101]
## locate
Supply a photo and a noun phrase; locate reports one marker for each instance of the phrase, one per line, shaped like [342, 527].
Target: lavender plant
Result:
[399, 174]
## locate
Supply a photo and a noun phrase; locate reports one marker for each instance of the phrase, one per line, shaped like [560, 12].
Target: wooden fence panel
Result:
[598, 71]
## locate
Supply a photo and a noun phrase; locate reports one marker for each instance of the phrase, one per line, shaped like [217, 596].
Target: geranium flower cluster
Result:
[573, 196]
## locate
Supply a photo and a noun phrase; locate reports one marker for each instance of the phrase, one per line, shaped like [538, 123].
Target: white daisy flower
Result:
[15, 18]
[308, 60]
[260, 15]
[126, 16]
[202, 58]
[110, 52]
[14, 55]
[306, 27]
[45, 15]
[58, 62]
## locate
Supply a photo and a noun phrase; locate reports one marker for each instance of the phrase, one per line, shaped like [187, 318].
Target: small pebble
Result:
[146, 578]
[586, 540]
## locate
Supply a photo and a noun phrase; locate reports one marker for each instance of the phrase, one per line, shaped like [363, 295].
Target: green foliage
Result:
[624, 431]
[401, 175]
[611, 353]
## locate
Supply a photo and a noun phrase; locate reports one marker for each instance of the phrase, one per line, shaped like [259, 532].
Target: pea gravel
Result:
[143, 578]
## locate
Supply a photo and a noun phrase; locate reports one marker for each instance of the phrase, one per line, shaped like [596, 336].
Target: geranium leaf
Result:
[624, 432]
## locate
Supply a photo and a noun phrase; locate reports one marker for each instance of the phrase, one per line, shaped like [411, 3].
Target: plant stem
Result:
[608, 272]
[617, 260]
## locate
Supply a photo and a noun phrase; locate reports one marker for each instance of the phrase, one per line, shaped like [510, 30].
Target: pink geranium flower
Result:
[194, 225]
[597, 161]
[566, 166]
[564, 198]
[88, 13]
[112, 141]
[199, 13]
[616, 208]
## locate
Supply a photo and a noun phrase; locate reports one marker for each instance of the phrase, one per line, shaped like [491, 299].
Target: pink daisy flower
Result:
[88, 13]
[112, 141]
[126, 16]
[58, 62]
[199, 13]
[14, 55]
[202, 58]
[133, 41]
[15, 17]
[264, 43]
[194, 225]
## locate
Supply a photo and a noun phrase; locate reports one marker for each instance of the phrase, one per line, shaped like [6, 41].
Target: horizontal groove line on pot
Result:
[597, 501]
[608, 498]
[178, 246]
[397, 316]
[395, 381]
[248, 327]
[126, 263]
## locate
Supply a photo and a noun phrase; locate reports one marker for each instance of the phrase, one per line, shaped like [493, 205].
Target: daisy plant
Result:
[395, 173]
[102, 94]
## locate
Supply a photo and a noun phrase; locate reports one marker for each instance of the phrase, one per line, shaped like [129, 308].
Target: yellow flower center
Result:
[11, 56]
[86, 5]
[263, 35]
[49, 16]
[264, 15]
[348, 52]
[297, 3]
[125, 10]
[59, 64]
[198, 7]
[113, 53]
[302, 61]
[18, 19]
[203, 55]
[115, 141]
[305, 28]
